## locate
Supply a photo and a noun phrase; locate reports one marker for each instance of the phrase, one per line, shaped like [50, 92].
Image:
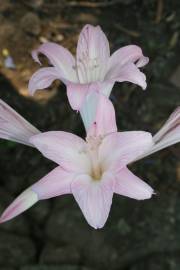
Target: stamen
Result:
[94, 141]
[93, 151]
[88, 69]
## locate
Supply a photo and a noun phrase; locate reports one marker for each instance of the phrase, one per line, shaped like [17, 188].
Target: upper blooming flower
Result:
[92, 169]
[92, 69]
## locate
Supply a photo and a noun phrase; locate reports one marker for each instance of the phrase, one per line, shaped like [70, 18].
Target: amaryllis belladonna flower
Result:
[92, 69]
[92, 169]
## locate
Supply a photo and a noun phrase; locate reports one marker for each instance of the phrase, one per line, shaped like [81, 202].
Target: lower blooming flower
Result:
[92, 169]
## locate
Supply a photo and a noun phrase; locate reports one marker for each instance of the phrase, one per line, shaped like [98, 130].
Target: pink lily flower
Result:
[92, 169]
[93, 67]
[87, 169]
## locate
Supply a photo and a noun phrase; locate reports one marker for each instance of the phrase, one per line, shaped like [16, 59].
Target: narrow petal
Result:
[129, 185]
[172, 137]
[127, 54]
[92, 49]
[64, 148]
[76, 94]
[55, 183]
[168, 135]
[105, 119]
[14, 127]
[171, 124]
[93, 42]
[43, 78]
[106, 88]
[59, 57]
[94, 198]
[128, 73]
[20, 204]
[121, 148]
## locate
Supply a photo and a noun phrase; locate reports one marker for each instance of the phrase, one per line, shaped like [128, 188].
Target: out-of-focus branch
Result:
[159, 11]
[93, 4]
[129, 32]
[40, 4]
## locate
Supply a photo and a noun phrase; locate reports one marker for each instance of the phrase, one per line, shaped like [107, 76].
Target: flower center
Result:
[89, 69]
[93, 143]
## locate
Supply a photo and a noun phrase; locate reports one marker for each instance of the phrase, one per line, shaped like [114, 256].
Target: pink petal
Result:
[172, 137]
[94, 198]
[93, 42]
[128, 54]
[106, 88]
[121, 148]
[94, 46]
[43, 78]
[129, 185]
[55, 183]
[76, 94]
[129, 72]
[105, 119]
[14, 127]
[65, 149]
[59, 57]
[89, 109]
[168, 135]
[171, 124]
[142, 62]
[20, 204]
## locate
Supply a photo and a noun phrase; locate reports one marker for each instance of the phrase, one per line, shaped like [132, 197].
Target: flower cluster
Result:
[92, 170]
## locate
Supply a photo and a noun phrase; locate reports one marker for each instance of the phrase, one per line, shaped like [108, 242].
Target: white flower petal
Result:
[129, 185]
[66, 149]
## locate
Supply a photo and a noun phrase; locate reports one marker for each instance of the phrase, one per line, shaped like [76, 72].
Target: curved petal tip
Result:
[35, 57]
[20, 204]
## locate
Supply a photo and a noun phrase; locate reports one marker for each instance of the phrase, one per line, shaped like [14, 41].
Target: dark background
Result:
[53, 234]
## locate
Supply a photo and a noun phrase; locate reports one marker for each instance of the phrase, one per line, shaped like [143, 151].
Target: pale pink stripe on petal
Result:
[20, 204]
[94, 198]
[59, 57]
[129, 185]
[66, 149]
[55, 183]
[43, 78]
[121, 148]
[14, 127]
